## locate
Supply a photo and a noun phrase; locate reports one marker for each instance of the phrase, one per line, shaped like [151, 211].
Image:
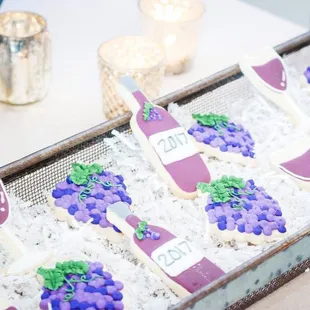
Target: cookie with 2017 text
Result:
[242, 211]
[176, 261]
[85, 195]
[165, 142]
[217, 136]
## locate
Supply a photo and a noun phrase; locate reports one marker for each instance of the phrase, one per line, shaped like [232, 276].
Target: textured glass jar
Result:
[135, 56]
[25, 57]
[176, 25]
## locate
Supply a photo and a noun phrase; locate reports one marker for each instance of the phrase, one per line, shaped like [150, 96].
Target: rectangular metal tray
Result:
[242, 286]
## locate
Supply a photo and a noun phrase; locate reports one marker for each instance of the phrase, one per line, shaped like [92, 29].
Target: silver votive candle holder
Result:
[176, 25]
[136, 56]
[25, 57]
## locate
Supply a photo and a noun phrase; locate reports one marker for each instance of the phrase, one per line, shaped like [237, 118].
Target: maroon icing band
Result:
[186, 172]
[196, 277]
[11, 308]
[4, 205]
[298, 167]
[273, 74]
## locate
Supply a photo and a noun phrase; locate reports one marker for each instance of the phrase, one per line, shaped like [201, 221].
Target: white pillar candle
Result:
[135, 56]
[174, 23]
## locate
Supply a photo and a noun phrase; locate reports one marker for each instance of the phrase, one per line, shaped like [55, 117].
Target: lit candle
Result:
[174, 23]
[135, 56]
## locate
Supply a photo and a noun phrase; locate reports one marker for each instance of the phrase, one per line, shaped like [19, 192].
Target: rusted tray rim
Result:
[243, 268]
[46, 153]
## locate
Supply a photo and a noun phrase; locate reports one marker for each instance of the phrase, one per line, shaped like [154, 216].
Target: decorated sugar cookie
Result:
[80, 285]
[294, 161]
[182, 267]
[5, 305]
[242, 211]
[266, 71]
[217, 136]
[84, 196]
[305, 79]
[165, 142]
[24, 260]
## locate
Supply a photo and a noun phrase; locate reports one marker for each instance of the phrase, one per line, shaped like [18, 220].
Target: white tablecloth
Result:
[230, 28]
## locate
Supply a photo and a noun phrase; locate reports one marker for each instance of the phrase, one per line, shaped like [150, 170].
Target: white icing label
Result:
[176, 256]
[172, 145]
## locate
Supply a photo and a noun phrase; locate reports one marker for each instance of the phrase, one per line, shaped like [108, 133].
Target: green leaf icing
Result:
[140, 230]
[78, 267]
[147, 110]
[211, 120]
[81, 172]
[53, 278]
[221, 190]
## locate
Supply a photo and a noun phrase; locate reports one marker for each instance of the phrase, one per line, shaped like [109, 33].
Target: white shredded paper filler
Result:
[37, 228]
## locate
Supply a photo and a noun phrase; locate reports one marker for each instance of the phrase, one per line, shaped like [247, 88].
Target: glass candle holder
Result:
[135, 56]
[175, 24]
[25, 57]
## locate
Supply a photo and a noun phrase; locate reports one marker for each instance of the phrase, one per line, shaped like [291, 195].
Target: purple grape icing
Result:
[94, 207]
[261, 215]
[307, 74]
[101, 293]
[233, 138]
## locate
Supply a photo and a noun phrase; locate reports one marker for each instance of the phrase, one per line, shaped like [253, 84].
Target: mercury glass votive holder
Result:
[135, 56]
[25, 57]
[176, 25]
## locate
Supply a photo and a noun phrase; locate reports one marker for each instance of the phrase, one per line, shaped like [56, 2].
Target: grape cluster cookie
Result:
[80, 285]
[218, 137]
[85, 195]
[242, 211]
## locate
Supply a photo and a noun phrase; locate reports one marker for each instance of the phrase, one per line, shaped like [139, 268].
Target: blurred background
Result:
[228, 30]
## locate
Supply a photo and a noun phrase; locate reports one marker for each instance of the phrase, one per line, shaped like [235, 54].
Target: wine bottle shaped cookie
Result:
[266, 71]
[182, 267]
[165, 142]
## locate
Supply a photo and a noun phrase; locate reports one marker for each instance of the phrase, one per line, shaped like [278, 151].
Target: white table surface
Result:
[74, 103]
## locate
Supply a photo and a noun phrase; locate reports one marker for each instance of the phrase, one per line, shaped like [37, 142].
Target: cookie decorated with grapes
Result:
[84, 196]
[217, 136]
[79, 285]
[242, 211]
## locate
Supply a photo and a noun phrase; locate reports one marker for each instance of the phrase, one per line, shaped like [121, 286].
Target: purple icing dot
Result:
[257, 230]
[248, 228]
[282, 229]
[263, 223]
[241, 228]
[104, 223]
[270, 217]
[221, 225]
[253, 223]
[212, 219]
[223, 148]
[79, 215]
[267, 230]
[240, 221]
[280, 220]
[230, 225]
[272, 211]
